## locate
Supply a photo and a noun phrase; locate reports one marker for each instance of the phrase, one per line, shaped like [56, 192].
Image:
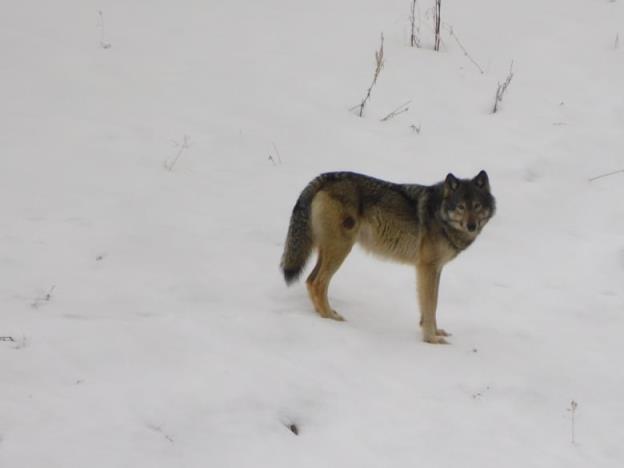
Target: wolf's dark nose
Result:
[472, 227]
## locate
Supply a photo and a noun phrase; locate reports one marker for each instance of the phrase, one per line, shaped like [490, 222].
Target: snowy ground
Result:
[151, 325]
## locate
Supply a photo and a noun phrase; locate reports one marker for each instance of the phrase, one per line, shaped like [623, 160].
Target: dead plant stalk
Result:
[379, 63]
[500, 90]
[437, 21]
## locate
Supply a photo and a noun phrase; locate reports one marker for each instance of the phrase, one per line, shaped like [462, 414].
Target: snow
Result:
[150, 324]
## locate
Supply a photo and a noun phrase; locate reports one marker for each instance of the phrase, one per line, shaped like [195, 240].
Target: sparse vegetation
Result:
[158, 429]
[415, 29]
[502, 87]
[43, 299]
[379, 63]
[437, 22]
[619, 171]
[399, 110]
[572, 411]
[103, 43]
[181, 148]
[277, 160]
[461, 46]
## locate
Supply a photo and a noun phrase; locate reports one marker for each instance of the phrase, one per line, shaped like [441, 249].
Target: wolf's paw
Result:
[441, 332]
[332, 314]
[335, 316]
[435, 339]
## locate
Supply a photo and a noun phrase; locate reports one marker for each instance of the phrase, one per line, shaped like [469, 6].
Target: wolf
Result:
[422, 225]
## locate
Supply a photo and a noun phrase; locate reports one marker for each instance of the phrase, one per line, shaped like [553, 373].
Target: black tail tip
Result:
[291, 274]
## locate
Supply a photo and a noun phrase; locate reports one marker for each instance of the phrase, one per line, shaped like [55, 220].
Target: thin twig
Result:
[572, 410]
[500, 91]
[103, 43]
[181, 147]
[606, 175]
[279, 157]
[437, 19]
[399, 110]
[159, 429]
[454, 36]
[379, 63]
[415, 31]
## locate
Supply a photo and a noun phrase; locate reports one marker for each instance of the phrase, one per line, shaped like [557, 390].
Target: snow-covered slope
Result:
[150, 324]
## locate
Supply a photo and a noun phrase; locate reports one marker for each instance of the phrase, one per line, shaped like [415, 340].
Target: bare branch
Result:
[461, 46]
[160, 431]
[277, 153]
[399, 110]
[415, 30]
[100, 25]
[181, 148]
[379, 63]
[436, 20]
[606, 175]
[572, 410]
[500, 91]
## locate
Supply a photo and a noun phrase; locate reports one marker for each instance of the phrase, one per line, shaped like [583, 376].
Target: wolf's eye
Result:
[476, 205]
[461, 207]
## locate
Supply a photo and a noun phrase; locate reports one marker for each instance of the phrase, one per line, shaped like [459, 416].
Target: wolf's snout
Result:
[472, 226]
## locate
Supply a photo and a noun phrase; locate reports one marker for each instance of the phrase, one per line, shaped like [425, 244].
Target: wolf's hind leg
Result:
[318, 284]
[334, 227]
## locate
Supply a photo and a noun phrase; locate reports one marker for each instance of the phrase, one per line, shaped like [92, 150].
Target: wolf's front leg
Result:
[428, 277]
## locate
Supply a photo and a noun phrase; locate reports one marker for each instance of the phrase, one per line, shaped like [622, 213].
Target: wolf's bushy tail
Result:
[300, 239]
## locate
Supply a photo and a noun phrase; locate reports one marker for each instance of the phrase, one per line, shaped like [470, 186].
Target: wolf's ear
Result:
[481, 180]
[451, 183]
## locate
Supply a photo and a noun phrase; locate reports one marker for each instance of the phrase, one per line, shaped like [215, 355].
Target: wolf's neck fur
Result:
[457, 239]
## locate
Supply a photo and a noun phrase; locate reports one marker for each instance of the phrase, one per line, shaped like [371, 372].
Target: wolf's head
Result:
[467, 204]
